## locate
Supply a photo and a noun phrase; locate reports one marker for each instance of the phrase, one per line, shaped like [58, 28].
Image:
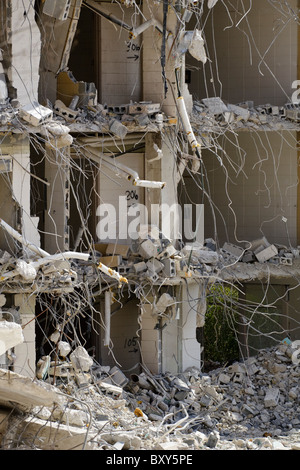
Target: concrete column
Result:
[150, 340]
[163, 169]
[25, 363]
[190, 348]
[21, 193]
[153, 85]
[57, 215]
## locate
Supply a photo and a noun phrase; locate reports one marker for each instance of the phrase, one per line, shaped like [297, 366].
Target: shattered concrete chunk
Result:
[272, 397]
[81, 360]
[35, 114]
[196, 47]
[24, 391]
[26, 270]
[130, 440]
[10, 335]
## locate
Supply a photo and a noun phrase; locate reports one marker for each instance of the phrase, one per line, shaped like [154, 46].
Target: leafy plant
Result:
[219, 334]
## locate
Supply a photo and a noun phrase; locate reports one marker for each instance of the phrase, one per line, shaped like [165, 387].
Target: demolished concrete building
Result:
[112, 112]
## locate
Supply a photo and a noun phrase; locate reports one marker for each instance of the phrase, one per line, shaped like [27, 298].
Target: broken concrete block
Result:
[81, 360]
[259, 244]
[224, 378]
[10, 335]
[43, 366]
[239, 111]
[165, 300]
[68, 87]
[272, 397]
[170, 445]
[212, 440]
[117, 128]
[196, 47]
[117, 377]
[248, 257]
[170, 250]
[266, 254]
[140, 267]
[285, 261]
[169, 269]
[215, 105]
[144, 108]
[130, 440]
[233, 250]
[147, 249]
[26, 270]
[35, 114]
[154, 266]
[55, 336]
[110, 389]
[62, 110]
[58, 9]
[63, 348]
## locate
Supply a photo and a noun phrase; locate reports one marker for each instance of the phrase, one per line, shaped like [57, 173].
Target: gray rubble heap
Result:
[253, 404]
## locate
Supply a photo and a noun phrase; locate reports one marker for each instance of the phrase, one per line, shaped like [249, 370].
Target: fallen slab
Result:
[17, 389]
[49, 435]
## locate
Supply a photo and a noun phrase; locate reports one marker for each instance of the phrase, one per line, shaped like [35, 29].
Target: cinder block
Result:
[285, 261]
[147, 249]
[272, 397]
[266, 254]
[234, 250]
[35, 114]
[62, 110]
[154, 266]
[169, 269]
[144, 108]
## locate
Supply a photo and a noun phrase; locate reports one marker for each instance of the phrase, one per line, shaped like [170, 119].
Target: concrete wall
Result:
[120, 193]
[123, 350]
[255, 189]
[255, 61]
[26, 47]
[120, 60]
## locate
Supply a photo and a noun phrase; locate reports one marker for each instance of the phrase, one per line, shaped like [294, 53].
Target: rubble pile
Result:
[252, 404]
[259, 250]
[213, 114]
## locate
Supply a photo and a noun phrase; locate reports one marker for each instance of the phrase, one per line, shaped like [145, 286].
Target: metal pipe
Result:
[107, 299]
[17, 236]
[95, 7]
[143, 383]
[186, 123]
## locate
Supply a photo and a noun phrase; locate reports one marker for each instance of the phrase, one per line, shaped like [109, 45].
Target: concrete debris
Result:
[10, 335]
[209, 114]
[249, 405]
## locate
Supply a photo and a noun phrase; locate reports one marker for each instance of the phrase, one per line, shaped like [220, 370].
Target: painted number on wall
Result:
[131, 195]
[131, 344]
[133, 50]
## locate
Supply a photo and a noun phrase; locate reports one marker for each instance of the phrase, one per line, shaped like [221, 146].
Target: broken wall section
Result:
[256, 45]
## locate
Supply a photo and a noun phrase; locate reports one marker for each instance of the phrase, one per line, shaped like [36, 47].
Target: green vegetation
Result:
[219, 332]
